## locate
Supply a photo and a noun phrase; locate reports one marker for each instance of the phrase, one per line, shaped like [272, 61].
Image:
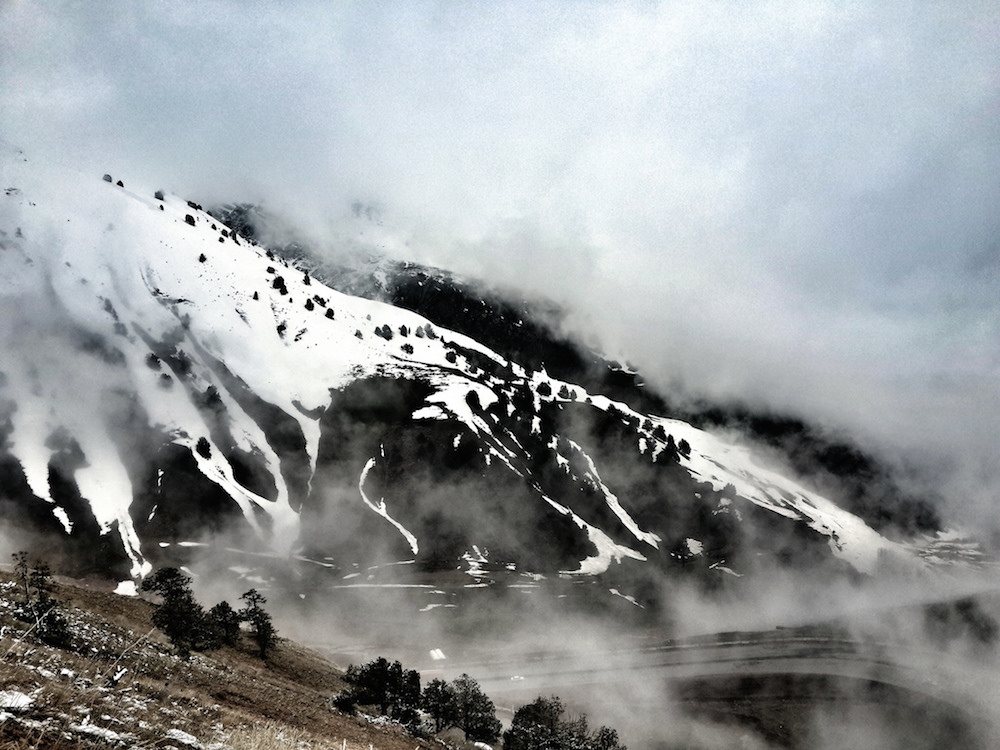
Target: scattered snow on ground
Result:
[163, 271]
[127, 588]
[14, 700]
[183, 737]
[99, 732]
[694, 546]
[626, 597]
[381, 509]
[721, 566]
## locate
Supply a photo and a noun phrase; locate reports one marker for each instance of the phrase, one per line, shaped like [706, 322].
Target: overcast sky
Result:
[791, 202]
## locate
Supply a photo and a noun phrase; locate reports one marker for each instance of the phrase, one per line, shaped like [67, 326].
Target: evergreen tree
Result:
[438, 700]
[39, 607]
[394, 690]
[475, 712]
[535, 725]
[605, 738]
[684, 448]
[540, 724]
[225, 624]
[27, 610]
[263, 629]
[179, 616]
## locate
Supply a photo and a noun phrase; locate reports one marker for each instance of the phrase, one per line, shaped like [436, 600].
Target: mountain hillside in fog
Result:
[167, 381]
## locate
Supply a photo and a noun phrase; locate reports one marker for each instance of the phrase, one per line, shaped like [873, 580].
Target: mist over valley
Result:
[639, 355]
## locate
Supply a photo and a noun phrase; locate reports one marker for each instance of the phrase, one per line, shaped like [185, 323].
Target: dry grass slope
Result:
[121, 686]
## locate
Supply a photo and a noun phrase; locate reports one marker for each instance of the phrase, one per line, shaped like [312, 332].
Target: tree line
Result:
[460, 704]
[179, 616]
[190, 628]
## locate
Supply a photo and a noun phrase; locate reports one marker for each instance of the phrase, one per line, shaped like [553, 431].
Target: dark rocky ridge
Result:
[518, 330]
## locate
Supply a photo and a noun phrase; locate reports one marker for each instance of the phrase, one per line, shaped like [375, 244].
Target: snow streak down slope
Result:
[120, 308]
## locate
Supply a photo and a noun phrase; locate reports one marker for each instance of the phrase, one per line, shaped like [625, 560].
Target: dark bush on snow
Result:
[203, 448]
[684, 448]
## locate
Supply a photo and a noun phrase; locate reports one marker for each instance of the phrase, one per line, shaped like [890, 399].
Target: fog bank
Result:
[792, 204]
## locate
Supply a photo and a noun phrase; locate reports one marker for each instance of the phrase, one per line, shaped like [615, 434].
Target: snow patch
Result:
[182, 737]
[694, 546]
[626, 597]
[381, 509]
[15, 700]
[127, 588]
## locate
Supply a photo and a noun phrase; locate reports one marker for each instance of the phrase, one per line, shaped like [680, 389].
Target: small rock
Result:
[182, 737]
[15, 700]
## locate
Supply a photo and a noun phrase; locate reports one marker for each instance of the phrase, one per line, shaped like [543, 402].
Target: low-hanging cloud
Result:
[789, 203]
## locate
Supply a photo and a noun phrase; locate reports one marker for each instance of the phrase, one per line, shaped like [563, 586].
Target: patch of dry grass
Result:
[226, 698]
[269, 737]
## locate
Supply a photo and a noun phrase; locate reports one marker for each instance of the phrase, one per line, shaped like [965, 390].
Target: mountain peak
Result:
[166, 379]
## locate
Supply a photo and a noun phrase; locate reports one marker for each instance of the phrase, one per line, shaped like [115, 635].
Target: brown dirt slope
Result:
[121, 685]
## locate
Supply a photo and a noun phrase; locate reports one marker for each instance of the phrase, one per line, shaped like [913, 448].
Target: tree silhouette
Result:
[540, 724]
[179, 616]
[225, 623]
[394, 690]
[475, 712]
[39, 607]
[438, 700]
[263, 629]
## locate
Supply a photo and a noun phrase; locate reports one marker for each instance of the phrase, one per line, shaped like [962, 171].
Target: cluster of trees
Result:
[396, 693]
[541, 724]
[181, 618]
[39, 607]
[189, 627]
[461, 704]
[390, 688]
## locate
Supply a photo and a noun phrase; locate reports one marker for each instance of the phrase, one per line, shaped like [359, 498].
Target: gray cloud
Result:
[793, 203]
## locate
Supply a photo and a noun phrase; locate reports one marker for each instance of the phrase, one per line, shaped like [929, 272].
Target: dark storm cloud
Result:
[794, 203]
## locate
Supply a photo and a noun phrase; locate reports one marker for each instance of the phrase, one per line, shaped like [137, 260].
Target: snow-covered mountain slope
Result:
[163, 380]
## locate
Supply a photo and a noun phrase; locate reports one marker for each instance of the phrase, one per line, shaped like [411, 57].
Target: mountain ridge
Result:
[229, 391]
